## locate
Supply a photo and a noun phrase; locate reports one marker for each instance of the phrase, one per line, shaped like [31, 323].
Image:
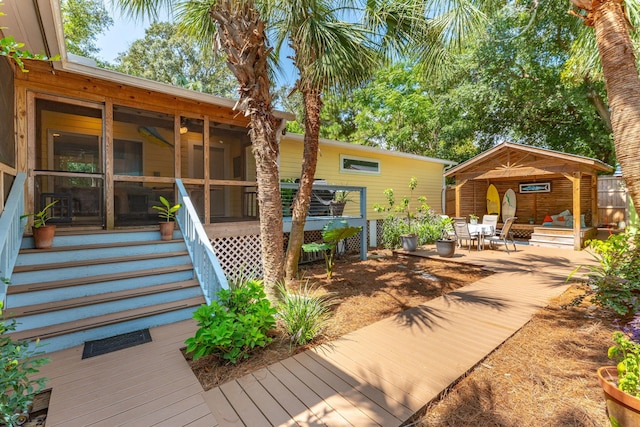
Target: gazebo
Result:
[545, 182]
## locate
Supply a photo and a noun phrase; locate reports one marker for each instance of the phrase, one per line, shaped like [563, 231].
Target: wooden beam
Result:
[109, 186]
[595, 220]
[575, 180]
[458, 189]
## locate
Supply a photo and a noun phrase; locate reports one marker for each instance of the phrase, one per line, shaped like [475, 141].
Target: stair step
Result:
[104, 320]
[98, 299]
[41, 286]
[99, 246]
[93, 262]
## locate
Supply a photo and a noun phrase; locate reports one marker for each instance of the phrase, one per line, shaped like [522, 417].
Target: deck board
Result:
[379, 375]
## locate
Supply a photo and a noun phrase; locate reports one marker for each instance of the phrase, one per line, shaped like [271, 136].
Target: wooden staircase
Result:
[91, 286]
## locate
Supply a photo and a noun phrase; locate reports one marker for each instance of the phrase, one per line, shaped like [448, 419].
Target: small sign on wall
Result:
[535, 187]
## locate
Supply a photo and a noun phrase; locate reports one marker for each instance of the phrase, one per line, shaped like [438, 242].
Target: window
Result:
[350, 164]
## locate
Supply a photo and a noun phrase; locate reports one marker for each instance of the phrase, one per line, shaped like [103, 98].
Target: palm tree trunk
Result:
[241, 35]
[312, 99]
[623, 86]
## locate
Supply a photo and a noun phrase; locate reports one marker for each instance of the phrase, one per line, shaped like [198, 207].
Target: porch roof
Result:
[510, 160]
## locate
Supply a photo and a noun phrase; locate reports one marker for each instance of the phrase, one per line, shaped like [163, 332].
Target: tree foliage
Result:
[169, 56]
[83, 21]
[506, 85]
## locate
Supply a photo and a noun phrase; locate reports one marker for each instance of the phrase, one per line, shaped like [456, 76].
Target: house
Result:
[107, 146]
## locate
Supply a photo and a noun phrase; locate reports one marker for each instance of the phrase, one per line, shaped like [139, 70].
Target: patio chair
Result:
[492, 221]
[461, 228]
[505, 236]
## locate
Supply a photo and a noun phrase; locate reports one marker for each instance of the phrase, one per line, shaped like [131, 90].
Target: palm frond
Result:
[138, 9]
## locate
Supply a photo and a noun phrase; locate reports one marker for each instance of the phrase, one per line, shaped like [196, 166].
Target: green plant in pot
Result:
[621, 383]
[340, 199]
[43, 233]
[167, 213]
[473, 219]
[446, 244]
[404, 221]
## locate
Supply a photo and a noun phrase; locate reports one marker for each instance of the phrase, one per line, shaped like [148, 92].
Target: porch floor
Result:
[379, 375]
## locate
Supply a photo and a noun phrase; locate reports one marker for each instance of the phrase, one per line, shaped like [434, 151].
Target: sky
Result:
[125, 31]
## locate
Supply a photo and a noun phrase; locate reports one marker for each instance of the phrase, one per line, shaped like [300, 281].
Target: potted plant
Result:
[473, 219]
[621, 383]
[532, 221]
[42, 233]
[446, 244]
[340, 199]
[168, 214]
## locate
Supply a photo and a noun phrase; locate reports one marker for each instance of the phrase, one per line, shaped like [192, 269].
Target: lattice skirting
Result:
[241, 257]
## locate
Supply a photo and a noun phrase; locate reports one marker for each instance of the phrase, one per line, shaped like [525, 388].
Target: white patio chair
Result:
[491, 221]
[461, 228]
[505, 236]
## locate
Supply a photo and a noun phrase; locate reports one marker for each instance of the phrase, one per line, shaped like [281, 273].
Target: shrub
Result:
[233, 326]
[332, 233]
[615, 280]
[627, 355]
[304, 313]
[19, 363]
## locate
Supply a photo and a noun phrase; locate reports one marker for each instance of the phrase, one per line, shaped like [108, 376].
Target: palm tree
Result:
[609, 19]
[237, 29]
[332, 54]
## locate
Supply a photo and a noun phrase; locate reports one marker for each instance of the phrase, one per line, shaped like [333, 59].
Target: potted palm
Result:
[43, 233]
[167, 213]
[340, 199]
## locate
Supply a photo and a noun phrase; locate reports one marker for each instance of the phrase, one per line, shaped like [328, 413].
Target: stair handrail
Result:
[205, 263]
[11, 231]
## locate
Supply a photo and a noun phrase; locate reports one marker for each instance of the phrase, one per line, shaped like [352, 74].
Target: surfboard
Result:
[508, 205]
[493, 200]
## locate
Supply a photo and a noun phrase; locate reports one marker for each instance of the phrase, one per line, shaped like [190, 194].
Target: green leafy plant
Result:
[615, 280]
[332, 233]
[166, 211]
[40, 218]
[232, 327]
[626, 353]
[18, 366]
[341, 196]
[473, 216]
[304, 312]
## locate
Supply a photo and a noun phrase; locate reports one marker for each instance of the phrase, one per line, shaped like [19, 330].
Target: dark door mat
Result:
[118, 342]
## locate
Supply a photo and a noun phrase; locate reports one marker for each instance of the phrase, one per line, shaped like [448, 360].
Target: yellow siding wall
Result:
[395, 173]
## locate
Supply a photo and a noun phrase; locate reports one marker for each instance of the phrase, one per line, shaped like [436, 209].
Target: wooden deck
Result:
[379, 375]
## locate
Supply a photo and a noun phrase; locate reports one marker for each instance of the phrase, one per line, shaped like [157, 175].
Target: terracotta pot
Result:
[622, 408]
[409, 242]
[446, 248]
[166, 230]
[43, 236]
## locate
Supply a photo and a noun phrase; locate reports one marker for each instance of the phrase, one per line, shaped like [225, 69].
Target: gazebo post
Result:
[575, 181]
[458, 190]
[595, 215]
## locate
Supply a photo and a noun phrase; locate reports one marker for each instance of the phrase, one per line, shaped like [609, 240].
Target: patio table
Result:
[481, 230]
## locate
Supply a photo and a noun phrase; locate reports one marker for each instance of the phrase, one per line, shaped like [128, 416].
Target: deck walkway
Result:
[379, 375]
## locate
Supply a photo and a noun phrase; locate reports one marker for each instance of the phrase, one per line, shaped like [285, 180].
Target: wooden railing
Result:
[207, 267]
[322, 208]
[11, 231]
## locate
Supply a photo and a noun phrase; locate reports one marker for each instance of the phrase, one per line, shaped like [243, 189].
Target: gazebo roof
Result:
[509, 160]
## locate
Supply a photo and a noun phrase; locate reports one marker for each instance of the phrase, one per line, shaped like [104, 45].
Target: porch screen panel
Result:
[154, 132]
[191, 143]
[7, 124]
[69, 161]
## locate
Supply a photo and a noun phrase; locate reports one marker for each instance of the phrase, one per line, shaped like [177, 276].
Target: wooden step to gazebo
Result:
[560, 237]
